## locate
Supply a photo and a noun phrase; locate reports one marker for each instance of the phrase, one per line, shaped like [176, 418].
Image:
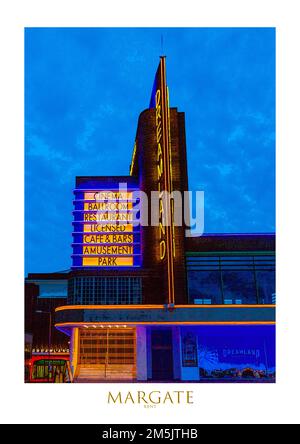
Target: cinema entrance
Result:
[106, 354]
[162, 354]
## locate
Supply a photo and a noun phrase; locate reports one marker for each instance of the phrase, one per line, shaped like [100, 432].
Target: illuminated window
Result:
[105, 290]
[230, 279]
[239, 285]
[205, 287]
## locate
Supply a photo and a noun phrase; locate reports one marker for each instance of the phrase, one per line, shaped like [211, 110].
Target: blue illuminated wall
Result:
[231, 352]
[212, 353]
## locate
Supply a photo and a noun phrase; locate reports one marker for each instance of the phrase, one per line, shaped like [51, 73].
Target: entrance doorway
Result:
[162, 354]
[107, 353]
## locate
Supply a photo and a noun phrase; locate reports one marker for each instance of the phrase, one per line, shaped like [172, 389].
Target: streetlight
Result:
[49, 336]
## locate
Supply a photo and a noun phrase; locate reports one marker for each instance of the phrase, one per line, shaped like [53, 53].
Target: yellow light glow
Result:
[75, 324]
[98, 217]
[107, 206]
[104, 261]
[153, 307]
[115, 250]
[107, 195]
[107, 228]
[162, 249]
[108, 238]
[163, 130]
[133, 159]
[75, 350]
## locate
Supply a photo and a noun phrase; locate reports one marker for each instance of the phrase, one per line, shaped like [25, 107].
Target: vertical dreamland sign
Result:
[104, 232]
[160, 102]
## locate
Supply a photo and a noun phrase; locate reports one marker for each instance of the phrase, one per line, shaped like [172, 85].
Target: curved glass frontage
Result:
[231, 279]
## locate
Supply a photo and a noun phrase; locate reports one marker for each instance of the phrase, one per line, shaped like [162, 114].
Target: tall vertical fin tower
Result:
[159, 162]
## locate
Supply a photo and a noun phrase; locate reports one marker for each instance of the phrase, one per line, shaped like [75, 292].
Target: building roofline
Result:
[56, 275]
[236, 234]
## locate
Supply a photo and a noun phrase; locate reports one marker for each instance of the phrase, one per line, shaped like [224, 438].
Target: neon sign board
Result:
[160, 101]
[104, 233]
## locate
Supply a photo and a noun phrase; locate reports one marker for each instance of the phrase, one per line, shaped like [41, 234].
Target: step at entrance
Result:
[98, 373]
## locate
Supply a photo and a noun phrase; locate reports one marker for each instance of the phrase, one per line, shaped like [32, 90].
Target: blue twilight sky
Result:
[84, 91]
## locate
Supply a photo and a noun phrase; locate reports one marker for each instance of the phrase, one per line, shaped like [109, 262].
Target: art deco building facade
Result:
[148, 303]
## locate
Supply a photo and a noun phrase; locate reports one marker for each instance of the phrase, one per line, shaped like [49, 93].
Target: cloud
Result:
[224, 169]
[236, 134]
[85, 89]
[37, 147]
